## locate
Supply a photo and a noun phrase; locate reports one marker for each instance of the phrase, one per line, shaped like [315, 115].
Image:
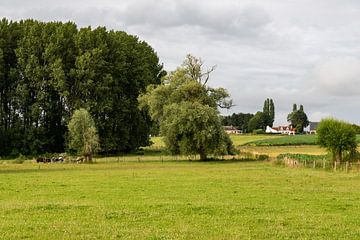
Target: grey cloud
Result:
[291, 51]
[337, 77]
[224, 19]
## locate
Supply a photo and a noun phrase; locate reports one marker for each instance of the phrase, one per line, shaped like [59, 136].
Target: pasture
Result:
[156, 196]
[176, 200]
[271, 145]
[260, 140]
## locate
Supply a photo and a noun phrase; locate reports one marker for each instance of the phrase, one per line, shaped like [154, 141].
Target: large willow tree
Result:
[47, 70]
[187, 111]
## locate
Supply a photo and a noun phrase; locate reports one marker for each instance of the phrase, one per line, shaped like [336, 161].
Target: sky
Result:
[293, 51]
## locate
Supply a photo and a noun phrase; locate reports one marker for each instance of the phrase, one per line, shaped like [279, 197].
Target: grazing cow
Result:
[55, 159]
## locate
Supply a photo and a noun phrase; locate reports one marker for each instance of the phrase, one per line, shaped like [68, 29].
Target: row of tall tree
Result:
[48, 70]
[248, 122]
[239, 120]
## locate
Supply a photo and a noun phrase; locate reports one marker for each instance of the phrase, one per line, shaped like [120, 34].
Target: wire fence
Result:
[347, 166]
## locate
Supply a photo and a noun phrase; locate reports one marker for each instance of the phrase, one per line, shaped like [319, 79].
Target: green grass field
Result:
[156, 196]
[260, 140]
[286, 140]
[274, 151]
[176, 200]
[238, 140]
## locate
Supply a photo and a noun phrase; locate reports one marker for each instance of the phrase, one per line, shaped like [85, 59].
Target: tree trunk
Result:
[202, 153]
[339, 156]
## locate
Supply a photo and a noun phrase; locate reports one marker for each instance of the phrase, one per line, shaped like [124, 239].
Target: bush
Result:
[338, 137]
[20, 159]
[262, 157]
[301, 157]
[259, 131]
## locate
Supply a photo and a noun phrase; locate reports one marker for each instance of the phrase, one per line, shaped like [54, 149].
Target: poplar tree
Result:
[48, 70]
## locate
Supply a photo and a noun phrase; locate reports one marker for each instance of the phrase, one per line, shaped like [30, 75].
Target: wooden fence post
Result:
[305, 162]
[324, 163]
[335, 166]
[314, 164]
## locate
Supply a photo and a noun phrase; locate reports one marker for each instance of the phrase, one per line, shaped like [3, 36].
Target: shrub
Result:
[259, 131]
[338, 137]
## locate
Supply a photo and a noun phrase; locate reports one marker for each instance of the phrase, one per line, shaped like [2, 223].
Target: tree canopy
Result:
[263, 119]
[47, 70]
[338, 137]
[269, 110]
[298, 118]
[259, 121]
[186, 109]
[83, 136]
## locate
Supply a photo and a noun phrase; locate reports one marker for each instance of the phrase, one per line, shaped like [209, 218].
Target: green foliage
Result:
[259, 121]
[269, 110]
[357, 128]
[263, 119]
[83, 135]
[338, 137]
[192, 128]
[240, 120]
[186, 110]
[47, 70]
[298, 119]
[301, 157]
[286, 141]
[259, 131]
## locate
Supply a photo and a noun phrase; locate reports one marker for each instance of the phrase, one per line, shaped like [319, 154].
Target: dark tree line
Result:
[239, 120]
[48, 70]
[248, 122]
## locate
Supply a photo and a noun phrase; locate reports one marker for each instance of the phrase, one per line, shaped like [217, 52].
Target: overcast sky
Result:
[293, 51]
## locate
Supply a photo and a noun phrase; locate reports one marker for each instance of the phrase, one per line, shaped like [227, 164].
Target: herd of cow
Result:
[57, 160]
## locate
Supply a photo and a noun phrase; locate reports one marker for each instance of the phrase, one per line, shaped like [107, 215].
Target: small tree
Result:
[338, 137]
[83, 135]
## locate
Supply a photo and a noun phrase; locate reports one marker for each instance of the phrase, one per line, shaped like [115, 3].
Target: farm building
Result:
[232, 130]
[311, 129]
[281, 129]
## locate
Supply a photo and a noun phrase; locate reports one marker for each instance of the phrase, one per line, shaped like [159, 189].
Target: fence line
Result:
[346, 166]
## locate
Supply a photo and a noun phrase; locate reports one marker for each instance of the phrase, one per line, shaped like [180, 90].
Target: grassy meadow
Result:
[156, 196]
[272, 145]
[176, 200]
